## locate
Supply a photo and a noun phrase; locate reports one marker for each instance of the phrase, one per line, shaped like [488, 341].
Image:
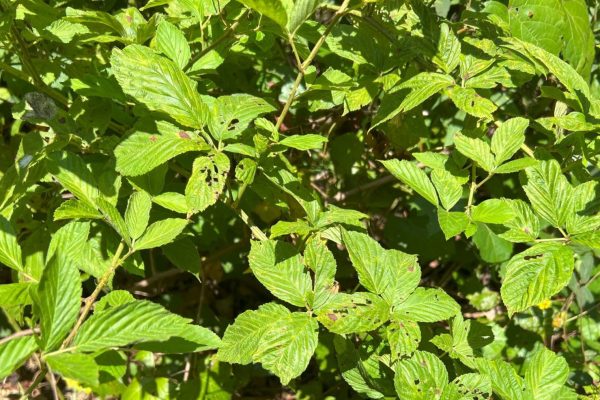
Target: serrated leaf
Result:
[426, 305]
[353, 313]
[549, 191]
[141, 152]
[232, 114]
[275, 9]
[113, 217]
[136, 321]
[74, 175]
[421, 377]
[468, 387]
[172, 201]
[448, 50]
[304, 142]
[160, 233]
[362, 367]
[192, 338]
[414, 177]
[524, 226]
[73, 209]
[493, 211]
[492, 247]
[508, 138]
[137, 213]
[403, 338]
[535, 275]
[545, 374]
[171, 42]
[205, 185]
[159, 84]
[515, 165]
[452, 222]
[79, 367]
[14, 353]
[469, 101]
[448, 187]
[272, 335]
[391, 273]
[475, 149]
[57, 301]
[321, 260]
[278, 266]
[300, 12]
[505, 381]
[15, 294]
[420, 88]
[10, 252]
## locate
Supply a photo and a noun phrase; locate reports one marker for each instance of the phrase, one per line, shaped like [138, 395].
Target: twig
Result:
[341, 196]
[18, 334]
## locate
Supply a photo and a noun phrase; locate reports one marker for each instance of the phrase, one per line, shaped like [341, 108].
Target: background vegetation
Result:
[298, 199]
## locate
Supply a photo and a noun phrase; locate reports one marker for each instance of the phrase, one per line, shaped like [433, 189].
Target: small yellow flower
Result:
[559, 320]
[545, 304]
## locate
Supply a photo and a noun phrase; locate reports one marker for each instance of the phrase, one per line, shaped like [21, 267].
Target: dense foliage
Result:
[216, 199]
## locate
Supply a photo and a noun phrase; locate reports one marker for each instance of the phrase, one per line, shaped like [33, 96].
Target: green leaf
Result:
[171, 42]
[286, 348]
[362, 366]
[448, 51]
[421, 87]
[524, 226]
[492, 248]
[585, 216]
[421, 377]
[353, 313]
[283, 228]
[172, 201]
[475, 149]
[272, 335]
[448, 187]
[469, 101]
[135, 321]
[73, 209]
[232, 114]
[403, 338]
[14, 353]
[10, 252]
[160, 233]
[508, 138]
[141, 151]
[300, 12]
[319, 259]
[452, 222]
[414, 177]
[456, 344]
[426, 305]
[556, 26]
[191, 339]
[515, 165]
[493, 211]
[505, 381]
[535, 275]
[278, 266]
[74, 175]
[304, 142]
[272, 9]
[183, 254]
[205, 185]
[390, 273]
[549, 191]
[57, 301]
[468, 387]
[159, 84]
[113, 217]
[137, 213]
[545, 374]
[15, 294]
[79, 367]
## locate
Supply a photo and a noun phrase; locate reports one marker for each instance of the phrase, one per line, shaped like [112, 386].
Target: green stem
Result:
[302, 67]
[89, 302]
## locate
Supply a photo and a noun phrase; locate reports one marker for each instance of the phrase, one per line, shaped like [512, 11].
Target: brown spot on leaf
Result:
[332, 316]
[153, 138]
[184, 135]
